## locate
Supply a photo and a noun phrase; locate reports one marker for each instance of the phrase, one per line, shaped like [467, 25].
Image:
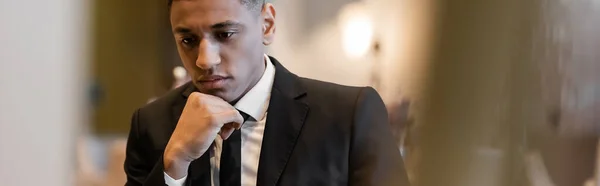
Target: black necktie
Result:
[231, 160]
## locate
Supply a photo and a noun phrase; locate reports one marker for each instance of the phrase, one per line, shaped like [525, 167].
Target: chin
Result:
[221, 93]
[226, 94]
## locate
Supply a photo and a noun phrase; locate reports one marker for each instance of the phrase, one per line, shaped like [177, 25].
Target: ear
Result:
[268, 16]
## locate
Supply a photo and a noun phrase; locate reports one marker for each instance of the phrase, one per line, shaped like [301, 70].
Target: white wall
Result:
[42, 57]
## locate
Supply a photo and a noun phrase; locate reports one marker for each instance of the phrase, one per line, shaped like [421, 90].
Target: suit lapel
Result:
[286, 115]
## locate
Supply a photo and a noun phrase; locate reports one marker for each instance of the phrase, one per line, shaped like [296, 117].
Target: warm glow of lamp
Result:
[179, 72]
[357, 30]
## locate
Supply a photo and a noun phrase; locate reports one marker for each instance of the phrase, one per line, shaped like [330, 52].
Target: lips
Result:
[212, 82]
[211, 78]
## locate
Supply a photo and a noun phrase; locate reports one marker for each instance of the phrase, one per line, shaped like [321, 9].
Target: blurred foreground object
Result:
[536, 170]
[43, 65]
[567, 50]
[595, 181]
[471, 131]
[496, 92]
[566, 56]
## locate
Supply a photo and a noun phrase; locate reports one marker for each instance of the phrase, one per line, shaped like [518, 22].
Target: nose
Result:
[208, 55]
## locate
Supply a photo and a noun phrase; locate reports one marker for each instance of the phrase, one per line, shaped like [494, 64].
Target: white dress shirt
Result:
[254, 103]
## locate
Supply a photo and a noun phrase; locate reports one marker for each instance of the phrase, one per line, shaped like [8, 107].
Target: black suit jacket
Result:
[317, 133]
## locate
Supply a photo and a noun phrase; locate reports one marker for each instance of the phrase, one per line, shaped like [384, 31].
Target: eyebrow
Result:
[182, 30]
[225, 25]
[221, 25]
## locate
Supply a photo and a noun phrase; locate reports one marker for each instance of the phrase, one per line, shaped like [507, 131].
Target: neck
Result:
[255, 80]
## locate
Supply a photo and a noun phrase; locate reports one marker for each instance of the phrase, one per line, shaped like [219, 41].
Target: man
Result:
[246, 120]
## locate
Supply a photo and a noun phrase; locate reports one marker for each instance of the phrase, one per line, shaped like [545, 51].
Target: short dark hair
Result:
[251, 4]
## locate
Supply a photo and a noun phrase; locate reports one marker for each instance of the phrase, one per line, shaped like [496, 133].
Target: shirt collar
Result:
[256, 101]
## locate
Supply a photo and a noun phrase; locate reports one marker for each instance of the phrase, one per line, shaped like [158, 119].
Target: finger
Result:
[238, 125]
[226, 131]
[204, 101]
[230, 116]
[211, 99]
[212, 103]
[232, 125]
[198, 96]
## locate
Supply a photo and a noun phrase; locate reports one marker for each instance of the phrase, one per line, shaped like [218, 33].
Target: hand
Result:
[203, 117]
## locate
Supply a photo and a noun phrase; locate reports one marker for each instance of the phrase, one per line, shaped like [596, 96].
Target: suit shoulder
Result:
[163, 103]
[155, 119]
[334, 96]
[332, 90]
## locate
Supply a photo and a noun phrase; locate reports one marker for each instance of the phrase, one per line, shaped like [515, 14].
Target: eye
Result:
[223, 36]
[188, 41]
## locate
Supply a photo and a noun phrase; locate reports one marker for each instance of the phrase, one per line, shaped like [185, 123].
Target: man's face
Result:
[220, 43]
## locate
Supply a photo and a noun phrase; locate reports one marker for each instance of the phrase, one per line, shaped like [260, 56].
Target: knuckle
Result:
[192, 100]
[213, 120]
[238, 117]
[196, 100]
[194, 95]
[210, 109]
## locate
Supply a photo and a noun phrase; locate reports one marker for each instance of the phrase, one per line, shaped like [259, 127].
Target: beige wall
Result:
[130, 48]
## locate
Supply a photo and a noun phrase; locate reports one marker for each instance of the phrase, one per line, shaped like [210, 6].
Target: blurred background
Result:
[480, 92]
